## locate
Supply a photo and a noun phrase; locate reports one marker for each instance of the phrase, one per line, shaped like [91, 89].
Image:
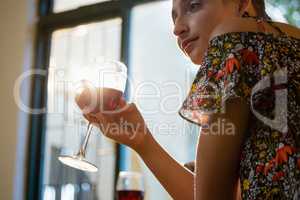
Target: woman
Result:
[244, 67]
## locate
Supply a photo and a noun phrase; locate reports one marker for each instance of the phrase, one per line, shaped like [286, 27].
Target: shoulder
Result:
[289, 29]
[250, 25]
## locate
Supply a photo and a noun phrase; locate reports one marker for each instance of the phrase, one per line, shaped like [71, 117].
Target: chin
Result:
[196, 59]
[196, 56]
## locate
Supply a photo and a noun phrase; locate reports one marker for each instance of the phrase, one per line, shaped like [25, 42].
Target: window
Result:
[76, 33]
[71, 49]
[165, 76]
[73, 34]
[64, 5]
[284, 11]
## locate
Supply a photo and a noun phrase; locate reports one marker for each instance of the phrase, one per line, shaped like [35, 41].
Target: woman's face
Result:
[194, 21]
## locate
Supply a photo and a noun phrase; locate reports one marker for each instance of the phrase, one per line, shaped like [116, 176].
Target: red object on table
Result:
[130, 195]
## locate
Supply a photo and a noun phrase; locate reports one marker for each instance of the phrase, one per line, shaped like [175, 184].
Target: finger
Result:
[100, 117]
[87, 117]
[101, 120]
[91, 118]
[124, 112]
[97, 121]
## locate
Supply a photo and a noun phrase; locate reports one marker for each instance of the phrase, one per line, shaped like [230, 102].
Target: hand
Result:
[91, 99]
[125, 125]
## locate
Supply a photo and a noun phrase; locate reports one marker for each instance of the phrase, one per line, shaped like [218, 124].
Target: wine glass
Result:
[130, 186]
[102, 95]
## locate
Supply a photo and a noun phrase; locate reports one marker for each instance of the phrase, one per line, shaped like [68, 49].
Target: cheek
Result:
[203, 25]
[199, 51]
[205, 21]
[203, 30]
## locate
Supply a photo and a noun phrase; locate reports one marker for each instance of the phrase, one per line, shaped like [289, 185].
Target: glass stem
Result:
[82, 150]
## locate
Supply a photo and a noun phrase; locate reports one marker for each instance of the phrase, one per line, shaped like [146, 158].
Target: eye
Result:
[194, 5]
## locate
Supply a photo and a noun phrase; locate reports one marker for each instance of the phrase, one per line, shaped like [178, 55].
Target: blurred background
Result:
[55, 37]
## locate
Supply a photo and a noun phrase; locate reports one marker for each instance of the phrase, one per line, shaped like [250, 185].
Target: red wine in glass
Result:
[130, 186]
[130, 195]
[101, 89]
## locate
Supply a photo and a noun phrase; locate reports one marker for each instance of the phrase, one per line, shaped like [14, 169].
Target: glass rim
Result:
[130, 174]
[130, 181]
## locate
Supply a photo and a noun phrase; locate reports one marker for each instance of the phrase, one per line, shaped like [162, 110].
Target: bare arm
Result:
[218, 154]
[176, 179]
[217, 160]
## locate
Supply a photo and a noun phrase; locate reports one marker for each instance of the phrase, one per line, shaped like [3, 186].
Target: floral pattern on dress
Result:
[233, 66]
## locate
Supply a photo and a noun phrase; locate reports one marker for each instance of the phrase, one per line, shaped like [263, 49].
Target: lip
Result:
[188, 48]
[186, 43]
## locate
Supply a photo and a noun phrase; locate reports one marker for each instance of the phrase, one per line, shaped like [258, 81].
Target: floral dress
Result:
[264, 70]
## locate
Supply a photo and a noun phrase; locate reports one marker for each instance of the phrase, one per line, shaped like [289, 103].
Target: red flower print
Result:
[210, 74]
[260, 168]
[249, 57]
[281, 157]
[231, 63]
[200, 101]
[298, 162]
[277, 176]
[194, 102]
[269, 166]
[220, 74]
[282, 154]
[197, 102]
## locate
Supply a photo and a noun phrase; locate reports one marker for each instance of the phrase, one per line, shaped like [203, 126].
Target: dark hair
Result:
[260, 9]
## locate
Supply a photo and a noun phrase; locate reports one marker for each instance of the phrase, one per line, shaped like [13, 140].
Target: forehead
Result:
[177, 5]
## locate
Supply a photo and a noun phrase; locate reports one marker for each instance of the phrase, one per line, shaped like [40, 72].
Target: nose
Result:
[180, 27]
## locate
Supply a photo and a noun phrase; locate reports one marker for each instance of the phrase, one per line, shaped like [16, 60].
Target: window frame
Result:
[48, 22]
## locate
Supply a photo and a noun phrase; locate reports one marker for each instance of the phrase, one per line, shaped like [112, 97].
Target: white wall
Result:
[16, 22]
